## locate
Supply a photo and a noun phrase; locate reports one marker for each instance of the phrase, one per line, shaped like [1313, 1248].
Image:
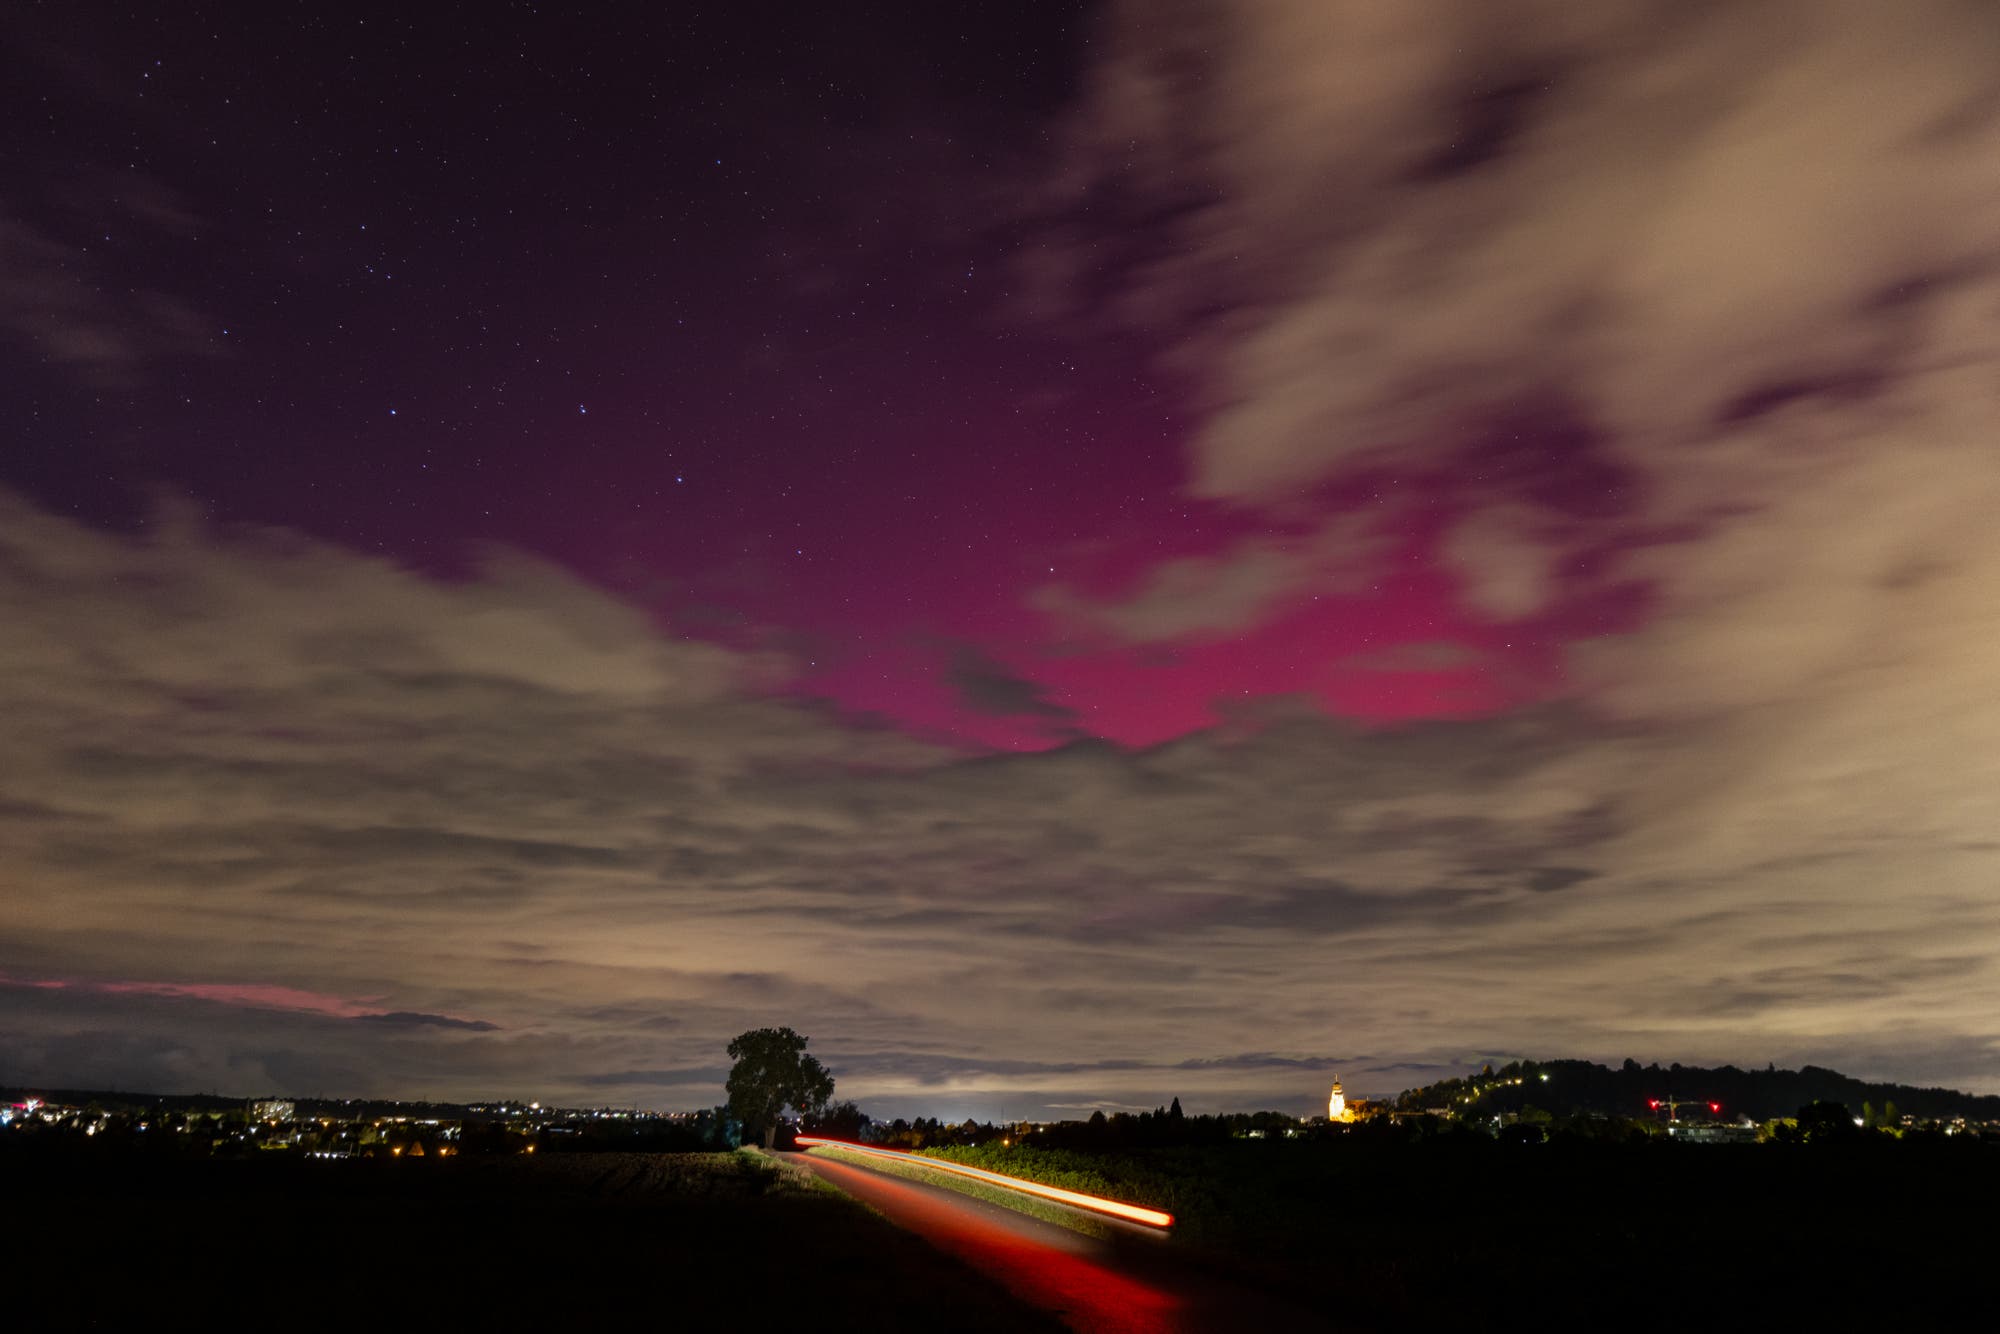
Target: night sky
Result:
[1077, 554]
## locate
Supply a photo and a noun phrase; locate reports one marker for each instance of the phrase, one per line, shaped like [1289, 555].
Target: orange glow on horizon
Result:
[1097, 1203]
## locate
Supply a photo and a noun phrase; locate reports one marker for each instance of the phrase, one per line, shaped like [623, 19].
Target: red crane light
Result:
[1715, 1107]
[1653, 1103]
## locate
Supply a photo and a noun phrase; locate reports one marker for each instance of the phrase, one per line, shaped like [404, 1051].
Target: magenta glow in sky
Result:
[1077, 557]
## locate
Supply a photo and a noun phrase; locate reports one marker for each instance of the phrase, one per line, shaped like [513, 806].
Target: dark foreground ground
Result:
[658, 1241]
[1432, 1235]
[1459, 1233]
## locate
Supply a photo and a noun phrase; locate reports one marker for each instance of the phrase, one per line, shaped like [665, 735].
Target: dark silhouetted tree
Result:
[1826, 1122]
[773, 1072]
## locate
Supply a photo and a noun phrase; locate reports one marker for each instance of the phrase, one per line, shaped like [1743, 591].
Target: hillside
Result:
[1569, 1087]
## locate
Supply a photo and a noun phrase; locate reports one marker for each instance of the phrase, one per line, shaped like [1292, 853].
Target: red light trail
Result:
[1097, 1203]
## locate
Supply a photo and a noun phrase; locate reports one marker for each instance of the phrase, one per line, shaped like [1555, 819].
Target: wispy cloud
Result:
[253, 996]
[412, 1019]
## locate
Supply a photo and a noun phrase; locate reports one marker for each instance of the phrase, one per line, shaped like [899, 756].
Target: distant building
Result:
[273, 1109]
[1336, 1105]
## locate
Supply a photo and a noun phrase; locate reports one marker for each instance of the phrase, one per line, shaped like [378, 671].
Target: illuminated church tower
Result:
[1336, 1106]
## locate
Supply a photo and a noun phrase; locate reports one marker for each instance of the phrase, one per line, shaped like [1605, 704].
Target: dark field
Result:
[1419, 1236]
[1650, 1236]
[660, 1241]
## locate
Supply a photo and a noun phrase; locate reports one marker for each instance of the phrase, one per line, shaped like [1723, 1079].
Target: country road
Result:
[1131, 1284]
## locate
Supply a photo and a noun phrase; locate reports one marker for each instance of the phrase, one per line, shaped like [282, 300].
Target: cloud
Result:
[1752, 248]
[83, 242]
[252, 996]
[694, 1076]
[75, 312]
[1755, 246]
[1506, 566]
[1197, 598]
[1432, 655]
[411, 1019]
[523, 842]
[1410, 218]
[986, 686]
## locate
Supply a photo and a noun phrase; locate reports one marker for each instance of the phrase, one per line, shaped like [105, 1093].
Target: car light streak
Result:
[1117, 1209]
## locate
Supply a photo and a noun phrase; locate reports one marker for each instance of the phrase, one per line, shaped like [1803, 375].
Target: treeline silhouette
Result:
[1160, 1128]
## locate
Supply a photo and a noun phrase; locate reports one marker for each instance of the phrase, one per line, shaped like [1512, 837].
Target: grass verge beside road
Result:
[1076, 1220]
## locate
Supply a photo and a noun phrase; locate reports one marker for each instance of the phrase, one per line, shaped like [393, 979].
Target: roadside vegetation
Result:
[1076, 1220]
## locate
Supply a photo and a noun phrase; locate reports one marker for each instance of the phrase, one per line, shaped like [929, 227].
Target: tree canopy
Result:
[773, 1072]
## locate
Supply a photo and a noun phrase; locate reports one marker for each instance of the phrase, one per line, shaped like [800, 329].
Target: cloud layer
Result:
[508, 837]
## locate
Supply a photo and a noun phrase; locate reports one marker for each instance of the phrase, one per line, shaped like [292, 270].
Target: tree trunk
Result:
[771, 1135]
